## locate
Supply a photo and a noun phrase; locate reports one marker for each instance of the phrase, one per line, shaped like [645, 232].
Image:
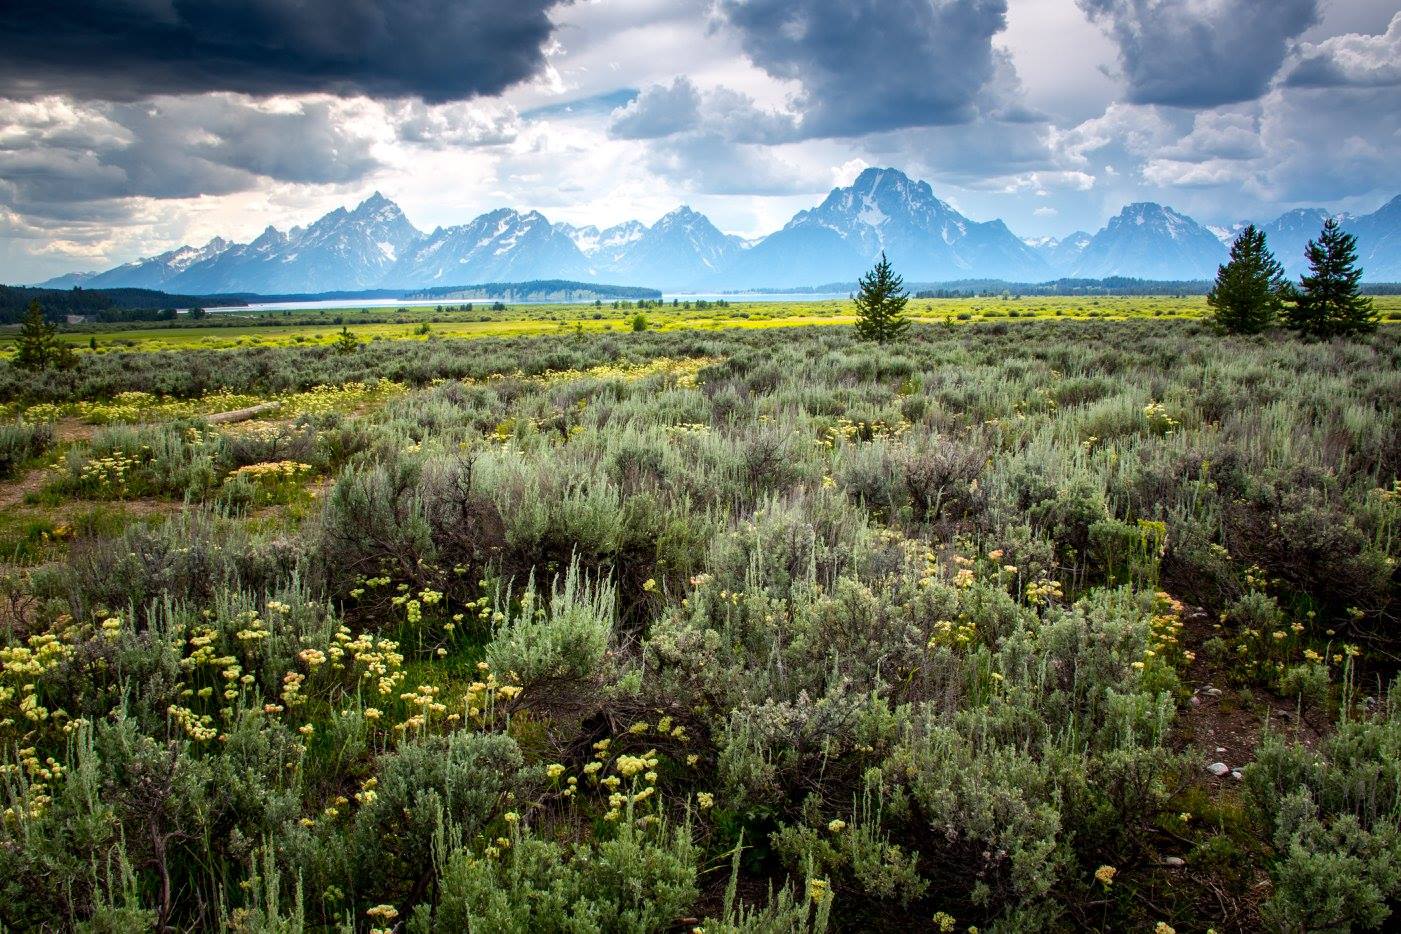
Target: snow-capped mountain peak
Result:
[374, 245]
[1150, 241]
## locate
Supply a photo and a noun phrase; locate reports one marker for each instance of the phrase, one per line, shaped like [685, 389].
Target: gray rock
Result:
[1218, 769]
[1174, 862]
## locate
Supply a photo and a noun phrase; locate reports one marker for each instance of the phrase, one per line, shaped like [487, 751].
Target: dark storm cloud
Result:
[1201, 54]
[871, 65]
[438, 50]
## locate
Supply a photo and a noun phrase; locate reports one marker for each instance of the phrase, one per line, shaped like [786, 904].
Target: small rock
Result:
[1174, 862]
[1218, 769]
[1237, 774]
[1196, 701]
[1213, 692]
[1220, 749]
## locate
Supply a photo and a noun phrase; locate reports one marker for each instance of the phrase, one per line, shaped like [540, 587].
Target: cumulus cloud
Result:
[1351, 60]
[659, 110]
[437, 50]
[682, 108]
[878, 64]
[1201, 53]
[58, 156]
[1294, 145]
[1126, 128]
[454, 125]
[1218, 136]
[1179, 173]
[711, 140]
[983, 155]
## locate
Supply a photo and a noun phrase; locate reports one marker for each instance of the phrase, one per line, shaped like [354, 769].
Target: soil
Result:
[1224, 725]
[13, 492]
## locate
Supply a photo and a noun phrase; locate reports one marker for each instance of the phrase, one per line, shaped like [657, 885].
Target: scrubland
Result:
[1018, 625]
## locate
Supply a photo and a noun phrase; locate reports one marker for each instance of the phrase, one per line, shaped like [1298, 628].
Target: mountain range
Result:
[375, 246]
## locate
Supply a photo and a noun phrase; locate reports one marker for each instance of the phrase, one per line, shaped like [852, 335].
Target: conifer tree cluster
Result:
[38, 346]
[880, 304]
[1251, 294]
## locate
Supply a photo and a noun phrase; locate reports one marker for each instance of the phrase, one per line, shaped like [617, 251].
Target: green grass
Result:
[311, 328]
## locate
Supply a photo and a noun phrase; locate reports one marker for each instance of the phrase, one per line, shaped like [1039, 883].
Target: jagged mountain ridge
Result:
[885, 210]
[499, 246]
[1062, 253]
[375, 246]
[1149, 241]
[342, 250]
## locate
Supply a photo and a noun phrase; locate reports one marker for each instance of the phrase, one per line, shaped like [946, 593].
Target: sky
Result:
[129, 127]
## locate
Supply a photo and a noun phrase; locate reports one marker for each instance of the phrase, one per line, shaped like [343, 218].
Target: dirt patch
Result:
[68, 430]
[1222, 724]
[14, 492]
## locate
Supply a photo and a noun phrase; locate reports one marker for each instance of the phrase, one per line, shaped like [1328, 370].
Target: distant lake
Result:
[343, 304]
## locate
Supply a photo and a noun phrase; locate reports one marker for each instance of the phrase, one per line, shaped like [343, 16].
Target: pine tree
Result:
[1250, 289]
[1329, 302]
[346, 342]
[880, 304]
[38, 346]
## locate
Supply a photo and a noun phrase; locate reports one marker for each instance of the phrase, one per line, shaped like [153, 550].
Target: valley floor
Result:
[1084, 623]
[234, 329]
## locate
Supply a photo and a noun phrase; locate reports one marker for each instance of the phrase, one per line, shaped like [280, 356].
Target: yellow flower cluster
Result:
[108, 475]
[1043, 592]
[199, 727]
[321, 400]
[954, 635]
[683, 369]
[33, 798]
[1156, 414]
[1165, 630]
[22, 668]
[425, 702]
[145, 407]
[849, 430]
[272, 472]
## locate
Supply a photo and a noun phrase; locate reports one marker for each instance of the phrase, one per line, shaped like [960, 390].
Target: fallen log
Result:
[242, 415]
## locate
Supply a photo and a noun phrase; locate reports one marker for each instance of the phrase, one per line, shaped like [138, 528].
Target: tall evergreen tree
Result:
[38, 346]
[1329, 302]
[1250, 289]
[880, 304]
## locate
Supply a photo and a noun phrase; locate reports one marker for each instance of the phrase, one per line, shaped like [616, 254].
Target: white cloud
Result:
[1350, 60]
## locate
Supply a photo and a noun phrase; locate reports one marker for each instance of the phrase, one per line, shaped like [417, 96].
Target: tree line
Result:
[1250, 294]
